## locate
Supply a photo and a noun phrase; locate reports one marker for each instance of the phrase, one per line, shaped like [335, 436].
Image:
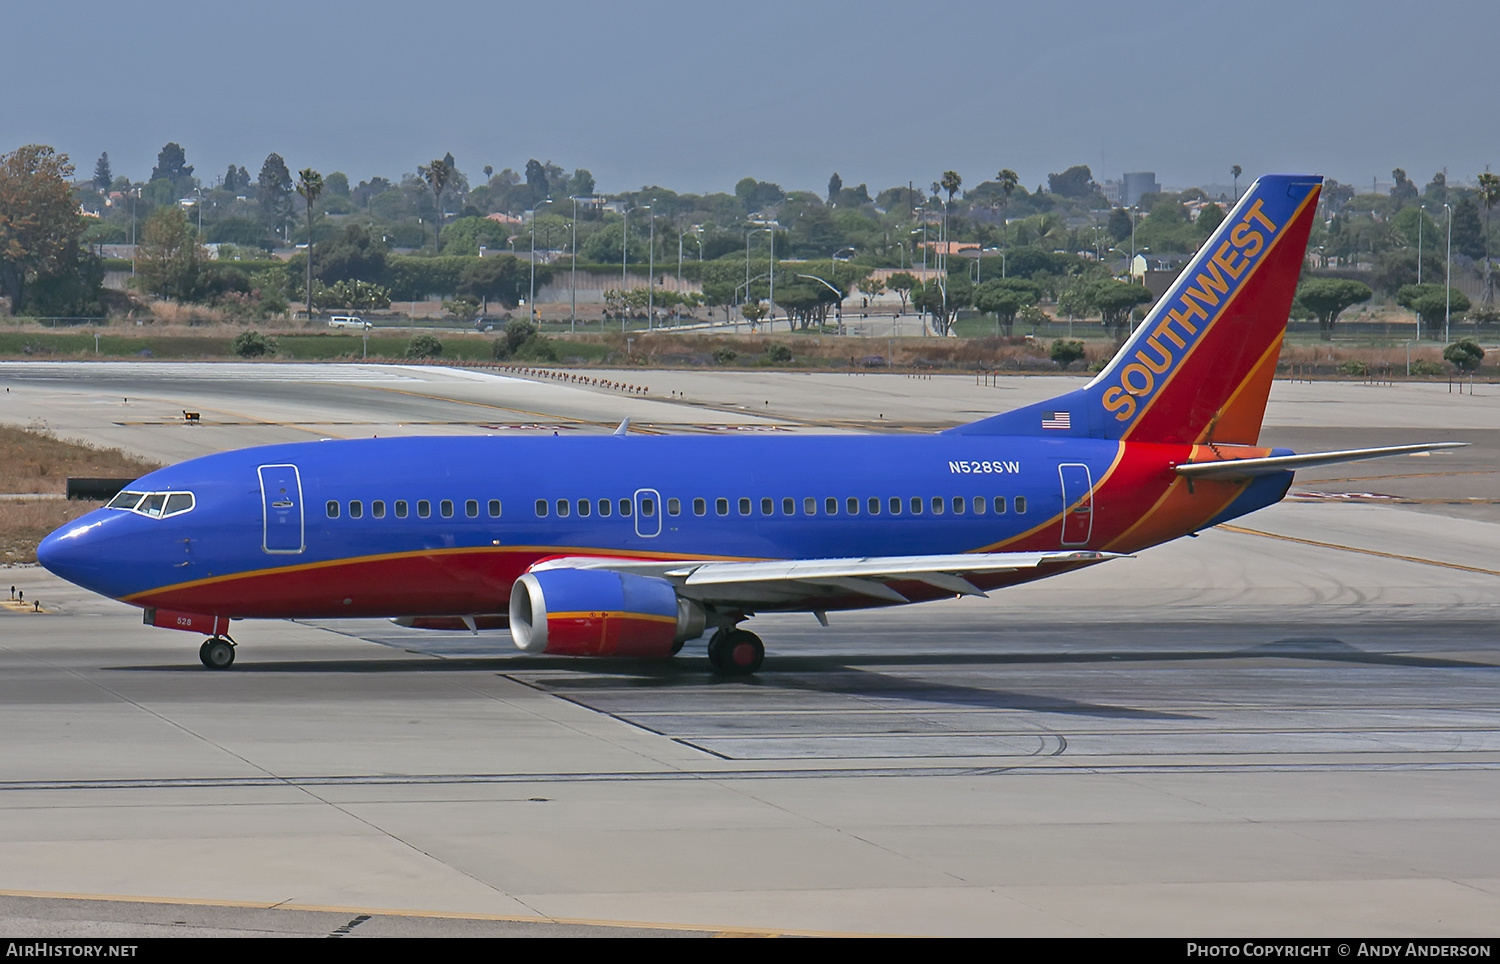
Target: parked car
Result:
[349, 321]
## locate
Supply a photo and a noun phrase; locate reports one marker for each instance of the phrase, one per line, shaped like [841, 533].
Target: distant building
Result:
[1113, 192]
[1136, 184]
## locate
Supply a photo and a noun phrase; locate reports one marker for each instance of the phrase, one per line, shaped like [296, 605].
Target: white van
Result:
[348, 321]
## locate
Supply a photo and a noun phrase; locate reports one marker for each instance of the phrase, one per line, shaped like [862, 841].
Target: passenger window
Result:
[999, 505]
[788, 506]
[1020, 505]
[471, 508]
[767, 506]
[699, 507]
[541, 508]
[937, 505]
[584, 507]
[178, 503]
[810, 506]
[979, 505]
[626, 507]
[424, 508]
[721, 506]
[126, 500]
[356, 509]
[377, 509]
[648, 508]
[446, 508]
[400, 508]
[333, 508]
[604, 507]
[873, 504]
[916, 505]
[151, 504]
[830, 506]
[562, 508]
[674, 507]
[851, 505]
[744, 506]
[494, 508]
[895, 505]
[958, 505]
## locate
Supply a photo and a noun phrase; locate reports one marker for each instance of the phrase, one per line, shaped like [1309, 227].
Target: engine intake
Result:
[596, 612]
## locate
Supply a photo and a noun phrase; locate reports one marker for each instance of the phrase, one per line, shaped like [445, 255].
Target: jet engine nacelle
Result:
[596, 612]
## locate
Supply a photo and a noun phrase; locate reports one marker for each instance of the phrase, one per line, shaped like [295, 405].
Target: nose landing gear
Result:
[217, 652]
[735, 652]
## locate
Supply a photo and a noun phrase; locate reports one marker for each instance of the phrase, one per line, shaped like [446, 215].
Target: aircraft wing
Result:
[780, 581]
[1238, 470]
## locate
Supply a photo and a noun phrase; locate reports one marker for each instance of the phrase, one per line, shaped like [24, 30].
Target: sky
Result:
[694, 96]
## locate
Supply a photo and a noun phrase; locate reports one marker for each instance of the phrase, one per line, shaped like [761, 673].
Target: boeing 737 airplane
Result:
[630, 545]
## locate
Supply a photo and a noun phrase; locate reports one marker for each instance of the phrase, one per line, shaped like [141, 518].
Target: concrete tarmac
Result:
[1287, 727]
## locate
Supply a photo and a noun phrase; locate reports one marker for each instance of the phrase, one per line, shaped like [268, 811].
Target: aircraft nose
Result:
[72, 552]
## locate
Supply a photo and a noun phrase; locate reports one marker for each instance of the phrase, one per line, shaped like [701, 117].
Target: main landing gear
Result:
[217, 652]
[735, 652]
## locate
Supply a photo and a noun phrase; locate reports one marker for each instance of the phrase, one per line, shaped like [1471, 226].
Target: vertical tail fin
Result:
[1199, 367]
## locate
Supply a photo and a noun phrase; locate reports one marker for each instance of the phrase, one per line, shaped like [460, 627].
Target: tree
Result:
[1119, 224]
[1468, 232]
[39, 223]
[171, 165]
[501, 277]
[252, 344]
[1433, 304]
[536, 179]
[1114, 300]
[1464, 354]
[1076, 182]
[835, 185]
[1235, 171]
[102, 176]
[1328, 297]
[902, 283]
[424, 346]
[1004, 297]
[1008, 180]
[1210, 216]
[942, 298]
[436, 175]
[1066, 352]
[357, 254]
[309, 185]
[1403, 189]
[1489, 196]
[169, 259]
[274, 192]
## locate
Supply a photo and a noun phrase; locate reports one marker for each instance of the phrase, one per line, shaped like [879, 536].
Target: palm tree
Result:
[1008, 180]
[949, 183]
[1489, 193]
[1236, 171]
[309, 185]
[436, 175]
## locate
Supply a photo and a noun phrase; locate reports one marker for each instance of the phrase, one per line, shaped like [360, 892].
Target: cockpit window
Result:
[157, 505]
[125, 500]
[151, 505]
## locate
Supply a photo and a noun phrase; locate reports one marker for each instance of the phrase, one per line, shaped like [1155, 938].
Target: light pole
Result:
[1448, 281]
[573, 284]
[532, 303]
[624, 260]
[651, 271]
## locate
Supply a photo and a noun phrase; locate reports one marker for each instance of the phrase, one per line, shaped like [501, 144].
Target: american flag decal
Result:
[1057, 420]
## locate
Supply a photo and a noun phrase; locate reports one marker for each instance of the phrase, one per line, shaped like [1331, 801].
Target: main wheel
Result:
[216, 653]
[736, 652]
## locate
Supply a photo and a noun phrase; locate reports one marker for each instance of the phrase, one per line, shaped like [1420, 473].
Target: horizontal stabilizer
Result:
[1233, 470]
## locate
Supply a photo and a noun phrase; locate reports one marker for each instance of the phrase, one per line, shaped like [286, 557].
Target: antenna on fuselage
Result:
[624, 427]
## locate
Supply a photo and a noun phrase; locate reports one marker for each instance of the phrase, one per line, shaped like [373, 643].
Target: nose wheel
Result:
[735, 652]
[217, 653]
